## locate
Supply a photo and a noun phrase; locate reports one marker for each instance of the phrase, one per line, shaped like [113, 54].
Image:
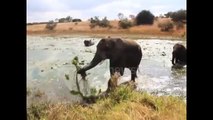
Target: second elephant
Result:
[179, 54]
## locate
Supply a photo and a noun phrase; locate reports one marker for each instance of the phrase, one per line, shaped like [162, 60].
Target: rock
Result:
[163, 54]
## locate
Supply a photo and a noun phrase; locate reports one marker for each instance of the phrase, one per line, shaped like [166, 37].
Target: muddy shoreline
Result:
[134, 36]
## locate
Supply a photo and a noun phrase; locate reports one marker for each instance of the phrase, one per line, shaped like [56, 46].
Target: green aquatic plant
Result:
[67, 76]
[93, 92]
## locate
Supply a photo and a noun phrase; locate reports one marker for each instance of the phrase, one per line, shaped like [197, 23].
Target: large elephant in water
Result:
[179, 54]
[121, 54]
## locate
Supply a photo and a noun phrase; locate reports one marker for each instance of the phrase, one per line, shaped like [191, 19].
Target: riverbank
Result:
[122, 104]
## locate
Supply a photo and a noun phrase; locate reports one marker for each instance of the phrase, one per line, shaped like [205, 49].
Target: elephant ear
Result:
[106, 44]
[109, 45]
[102, 45]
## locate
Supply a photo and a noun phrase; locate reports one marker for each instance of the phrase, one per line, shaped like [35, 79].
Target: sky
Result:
[45, 10]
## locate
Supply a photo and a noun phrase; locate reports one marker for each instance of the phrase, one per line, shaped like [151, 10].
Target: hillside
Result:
[83, 28]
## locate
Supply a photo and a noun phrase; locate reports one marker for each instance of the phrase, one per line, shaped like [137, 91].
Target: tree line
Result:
[145, 17]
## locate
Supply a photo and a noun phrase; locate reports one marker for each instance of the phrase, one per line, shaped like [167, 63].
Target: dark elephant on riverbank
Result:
[121, 54]
[88, 43]
[179, 55]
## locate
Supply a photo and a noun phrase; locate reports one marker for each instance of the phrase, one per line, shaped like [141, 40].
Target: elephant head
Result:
[179, 54]
[104, 51]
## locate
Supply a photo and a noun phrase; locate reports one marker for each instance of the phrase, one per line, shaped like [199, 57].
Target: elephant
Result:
[88, 43]
[121, 54]
[179, 55]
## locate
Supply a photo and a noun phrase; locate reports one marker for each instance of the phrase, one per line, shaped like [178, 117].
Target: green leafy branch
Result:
[92, 98]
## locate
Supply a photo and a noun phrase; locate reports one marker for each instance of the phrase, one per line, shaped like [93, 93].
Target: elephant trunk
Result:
[97, 59]
[173, 58]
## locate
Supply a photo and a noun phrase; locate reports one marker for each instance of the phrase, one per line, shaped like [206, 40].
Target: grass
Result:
[123, 103]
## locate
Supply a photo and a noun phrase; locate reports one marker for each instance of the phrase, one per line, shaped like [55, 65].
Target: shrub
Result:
[104, 22]
[51, 25]
[144, 17]
[179, 25]
[76, 20]
[125, 24]
[92, 25]
[166, 26]
[62, 20]
[101, 23]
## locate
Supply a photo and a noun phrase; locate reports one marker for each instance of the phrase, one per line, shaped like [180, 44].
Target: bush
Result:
[76, 20]
[125, 24]
[62, 20]
[166, 26]
[179, 25]
[92, 25]
[144, 17]
[51, 25]
[104, 22]
[101, 23]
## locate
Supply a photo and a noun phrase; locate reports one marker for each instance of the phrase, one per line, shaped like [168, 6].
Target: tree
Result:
[144, 17]
[61, 20]
[120, 16]
[132, 17]
[177, 16]
[56, 20]
[169, 14]
[68, 18]
[51, 25]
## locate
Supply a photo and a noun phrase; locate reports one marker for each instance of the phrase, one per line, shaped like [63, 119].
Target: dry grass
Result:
[84, 28]
[122, 104]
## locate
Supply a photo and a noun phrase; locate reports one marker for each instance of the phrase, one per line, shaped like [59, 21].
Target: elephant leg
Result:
[112, 70]
[173, 60]
[121, 71]
[116, 69]
[176, 60]
[133, 73]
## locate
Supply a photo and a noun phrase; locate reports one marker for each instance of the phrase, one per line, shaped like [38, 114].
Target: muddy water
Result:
[49, 59]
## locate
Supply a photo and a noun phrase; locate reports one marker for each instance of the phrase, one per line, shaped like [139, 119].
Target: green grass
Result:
[122, 104]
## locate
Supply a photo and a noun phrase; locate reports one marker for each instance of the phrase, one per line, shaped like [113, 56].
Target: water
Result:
[49, 59]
